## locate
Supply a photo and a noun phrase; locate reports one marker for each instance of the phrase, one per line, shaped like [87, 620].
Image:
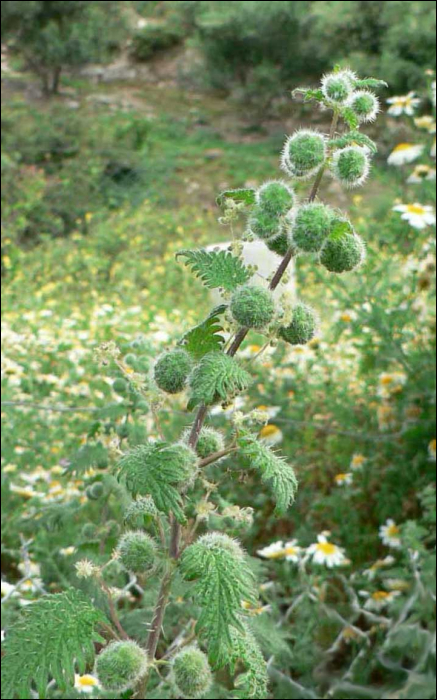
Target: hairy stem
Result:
[320, 174]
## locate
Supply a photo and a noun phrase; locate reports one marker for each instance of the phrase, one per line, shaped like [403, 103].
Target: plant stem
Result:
[202, 413]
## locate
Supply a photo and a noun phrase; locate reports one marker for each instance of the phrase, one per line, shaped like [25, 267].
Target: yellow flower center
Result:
[86, 682]
[327, 548]
[347, 318]
[387, 380]
[341, 477]
[393, 531]
[380, 595]
[415, 209]
[358, 460]
[290, 551]
[269, 431]
[403, 147]
[433, 445]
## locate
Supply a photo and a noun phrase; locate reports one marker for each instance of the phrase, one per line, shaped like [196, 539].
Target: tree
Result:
[52, 36]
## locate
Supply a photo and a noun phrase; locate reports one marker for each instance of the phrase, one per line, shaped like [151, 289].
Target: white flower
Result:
[379, 600]
[290, 551]
[68, 551]
[422, 173]
[325, 553]
[344, 479]
[358, 461]
[432, 450]
[433, 92]
[405, 153]
[419, 216]
[391, 383]
[86, 684]
[390, 534]
[85, 569]
[8, 590]
[378, 565]
[426, 122]
[271, 435]
[403, 104]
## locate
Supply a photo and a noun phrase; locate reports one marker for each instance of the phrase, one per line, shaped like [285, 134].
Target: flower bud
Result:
[264, 225]
[343, 253]
[275, 197]
[253, 307]
[210, 441]
[304, 153]
[337, 87]
[121, 666]
[138, 552]
[365, 105]
[351, 166]
[302, 328]
[192, 676]
[172, 371]
[312, 225]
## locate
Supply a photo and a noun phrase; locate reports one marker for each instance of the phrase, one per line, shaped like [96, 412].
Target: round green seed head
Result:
[351, 166]
[253, 307]
[303, 327]
[131, 360]
[337, 87]
[172, 371]
[210, 441]
[140, 511]
[263, 224]
[279, 245]
[365, 105]
[120, 666]
[192, 675]
[312, 226]
[276, 198]
[343, 253]
[304, 153]
[120, 387]
[96, 491]
[138, 552]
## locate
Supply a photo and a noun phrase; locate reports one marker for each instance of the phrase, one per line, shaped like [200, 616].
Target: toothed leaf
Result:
[217, 269]
[246, 196]
[206, 337]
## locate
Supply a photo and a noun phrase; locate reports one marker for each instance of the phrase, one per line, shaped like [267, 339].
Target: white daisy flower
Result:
[403, 104]
[346, 479]
[432, 450]
[419, 216]
[380, 599]
[357, 463]
[68, 551]
[327, 554]
[391, 383]
[422, 173]
[405, 153]
[390, 534]
[426, 122]
[378, 566]
[86, 684]
[271, 435]
[290, 551]
[8, 589]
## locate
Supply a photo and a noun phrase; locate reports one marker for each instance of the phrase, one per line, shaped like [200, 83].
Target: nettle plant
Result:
[168, 484]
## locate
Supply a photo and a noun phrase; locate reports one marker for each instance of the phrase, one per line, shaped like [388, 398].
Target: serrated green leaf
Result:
[245, 195]
[156, 470]
[370, 83]
[87, 457]
[350, 118]
[218, 377]
[354, 137]
[275, 471]
[341, 227]
[223, 580]
[309, 94]
[49, 639]
[206, 337]
[253, 683]
[217, 269]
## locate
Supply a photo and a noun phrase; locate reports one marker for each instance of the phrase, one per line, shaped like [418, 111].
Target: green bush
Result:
[153, 39]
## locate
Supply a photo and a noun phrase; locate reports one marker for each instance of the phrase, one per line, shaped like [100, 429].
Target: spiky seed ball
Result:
[280, 244]
[210, 441]
[120, 387]
[337, 87]
[138, 552]
[302, 328]
[253, 307]
[121, 666]
[311, 227]
[139, 511]
[365, 105]
[263, 224]
[192, 675]
[275, 197]
[304, 153]
[96, 491]
[343, 253]
[172, 371]
[351, 165]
